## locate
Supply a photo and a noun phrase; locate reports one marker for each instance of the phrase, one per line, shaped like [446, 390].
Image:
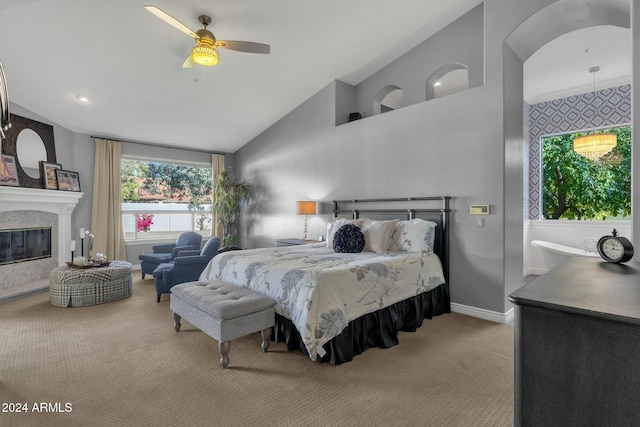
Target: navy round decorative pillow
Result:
[348, 239]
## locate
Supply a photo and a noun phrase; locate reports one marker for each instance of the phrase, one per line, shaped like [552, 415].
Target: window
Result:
[162, 200]
[578, 188]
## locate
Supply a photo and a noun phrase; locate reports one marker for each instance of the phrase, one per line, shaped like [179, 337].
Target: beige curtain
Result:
[217, 165]
[106, 211]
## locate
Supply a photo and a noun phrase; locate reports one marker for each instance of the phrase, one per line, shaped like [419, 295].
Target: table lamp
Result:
[306, 208]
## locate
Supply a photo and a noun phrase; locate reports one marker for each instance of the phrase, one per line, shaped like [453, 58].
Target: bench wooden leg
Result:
[176, 322]
[224, 348]
[266, 337]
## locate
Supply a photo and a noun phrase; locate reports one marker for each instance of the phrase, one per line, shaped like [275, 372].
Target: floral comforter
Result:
[321, 290]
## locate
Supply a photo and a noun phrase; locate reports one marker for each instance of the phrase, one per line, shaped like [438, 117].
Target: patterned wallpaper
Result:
[566, 115]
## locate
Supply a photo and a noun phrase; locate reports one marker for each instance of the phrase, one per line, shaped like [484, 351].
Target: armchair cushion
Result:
[188, 253]
[157, 273]
[193, 260]
[185, 268]
[163, 248]
[175, 251]
[166, 252]
[156, 258]
[189, 238]
[210, 248]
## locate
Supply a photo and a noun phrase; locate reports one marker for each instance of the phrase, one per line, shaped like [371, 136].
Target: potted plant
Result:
[227, 201]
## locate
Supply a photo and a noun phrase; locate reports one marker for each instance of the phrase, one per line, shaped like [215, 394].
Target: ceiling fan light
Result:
[204, 55]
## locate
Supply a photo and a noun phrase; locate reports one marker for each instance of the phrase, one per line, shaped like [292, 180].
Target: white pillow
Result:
[334, 226]
[414, 235]
[377, 234]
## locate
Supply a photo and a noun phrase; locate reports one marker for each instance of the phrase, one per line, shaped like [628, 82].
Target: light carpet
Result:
[122, 364]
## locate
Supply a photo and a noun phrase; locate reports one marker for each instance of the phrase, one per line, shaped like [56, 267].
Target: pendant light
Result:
[595, 145]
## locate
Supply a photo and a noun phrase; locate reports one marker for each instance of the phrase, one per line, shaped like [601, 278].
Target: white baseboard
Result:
[492, 316]
[536, 271]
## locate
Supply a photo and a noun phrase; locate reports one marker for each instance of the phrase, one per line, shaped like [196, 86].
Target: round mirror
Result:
[30, 150]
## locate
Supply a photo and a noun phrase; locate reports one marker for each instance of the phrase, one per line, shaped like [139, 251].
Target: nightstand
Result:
[293, 242]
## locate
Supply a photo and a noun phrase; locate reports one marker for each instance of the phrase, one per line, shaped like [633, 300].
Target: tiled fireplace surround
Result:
[32, 207]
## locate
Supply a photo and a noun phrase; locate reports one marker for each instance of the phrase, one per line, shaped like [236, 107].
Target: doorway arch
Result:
[552, 21]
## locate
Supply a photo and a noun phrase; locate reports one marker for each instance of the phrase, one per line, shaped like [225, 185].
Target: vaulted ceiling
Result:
[128, 63]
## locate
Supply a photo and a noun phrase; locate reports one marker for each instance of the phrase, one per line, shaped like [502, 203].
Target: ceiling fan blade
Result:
[188, 62]
[171, 20]
[250, 47]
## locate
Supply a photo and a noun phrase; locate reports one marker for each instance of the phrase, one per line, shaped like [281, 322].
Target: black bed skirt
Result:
[377, 329]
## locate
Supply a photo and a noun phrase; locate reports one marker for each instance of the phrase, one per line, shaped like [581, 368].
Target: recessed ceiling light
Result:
[82, 98]
[436, 84]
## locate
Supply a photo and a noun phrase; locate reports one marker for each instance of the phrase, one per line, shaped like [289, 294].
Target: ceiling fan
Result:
[204, 52]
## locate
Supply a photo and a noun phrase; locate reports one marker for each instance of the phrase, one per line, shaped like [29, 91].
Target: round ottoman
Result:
[78, 287]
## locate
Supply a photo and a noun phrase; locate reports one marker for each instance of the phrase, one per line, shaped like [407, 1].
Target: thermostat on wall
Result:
[479, 210]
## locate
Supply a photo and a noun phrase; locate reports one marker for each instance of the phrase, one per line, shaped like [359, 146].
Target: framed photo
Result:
[67, 180]
[48, 174]
[8, 171]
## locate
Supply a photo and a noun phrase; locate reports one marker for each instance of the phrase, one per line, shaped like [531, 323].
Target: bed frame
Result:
[435, 208]
[380, 328]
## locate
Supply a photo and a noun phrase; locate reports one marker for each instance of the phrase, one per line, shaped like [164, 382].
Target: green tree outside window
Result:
[575, 187]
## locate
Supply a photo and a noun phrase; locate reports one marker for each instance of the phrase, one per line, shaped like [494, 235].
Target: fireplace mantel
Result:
[61, 203]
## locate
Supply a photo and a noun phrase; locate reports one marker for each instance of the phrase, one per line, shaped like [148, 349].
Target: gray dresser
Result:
[577, 346]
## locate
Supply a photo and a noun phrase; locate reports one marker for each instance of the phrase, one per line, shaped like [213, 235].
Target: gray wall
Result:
[460, 43]
[440, 147]
[75, 152]
[468, 145]
[72, 152]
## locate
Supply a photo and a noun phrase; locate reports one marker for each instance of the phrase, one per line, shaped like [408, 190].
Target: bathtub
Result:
[554, 253]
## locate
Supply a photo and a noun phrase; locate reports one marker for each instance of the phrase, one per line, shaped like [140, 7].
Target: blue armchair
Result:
[189, 240]
[186, 267]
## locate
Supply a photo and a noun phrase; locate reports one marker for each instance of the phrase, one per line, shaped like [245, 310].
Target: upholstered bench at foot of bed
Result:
[223, 311]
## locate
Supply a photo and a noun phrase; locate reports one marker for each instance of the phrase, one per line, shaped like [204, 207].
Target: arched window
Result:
[446, 80]
[387, 99]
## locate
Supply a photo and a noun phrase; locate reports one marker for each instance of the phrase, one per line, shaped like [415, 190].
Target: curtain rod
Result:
[158, 145]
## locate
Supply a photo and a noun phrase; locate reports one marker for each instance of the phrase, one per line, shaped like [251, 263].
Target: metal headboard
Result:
[436, 209]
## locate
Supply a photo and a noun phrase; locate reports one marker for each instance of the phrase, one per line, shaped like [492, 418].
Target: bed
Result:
[333, 306]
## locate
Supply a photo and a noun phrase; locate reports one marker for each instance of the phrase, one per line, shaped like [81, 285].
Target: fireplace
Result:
[31, 208]
[24, 244]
